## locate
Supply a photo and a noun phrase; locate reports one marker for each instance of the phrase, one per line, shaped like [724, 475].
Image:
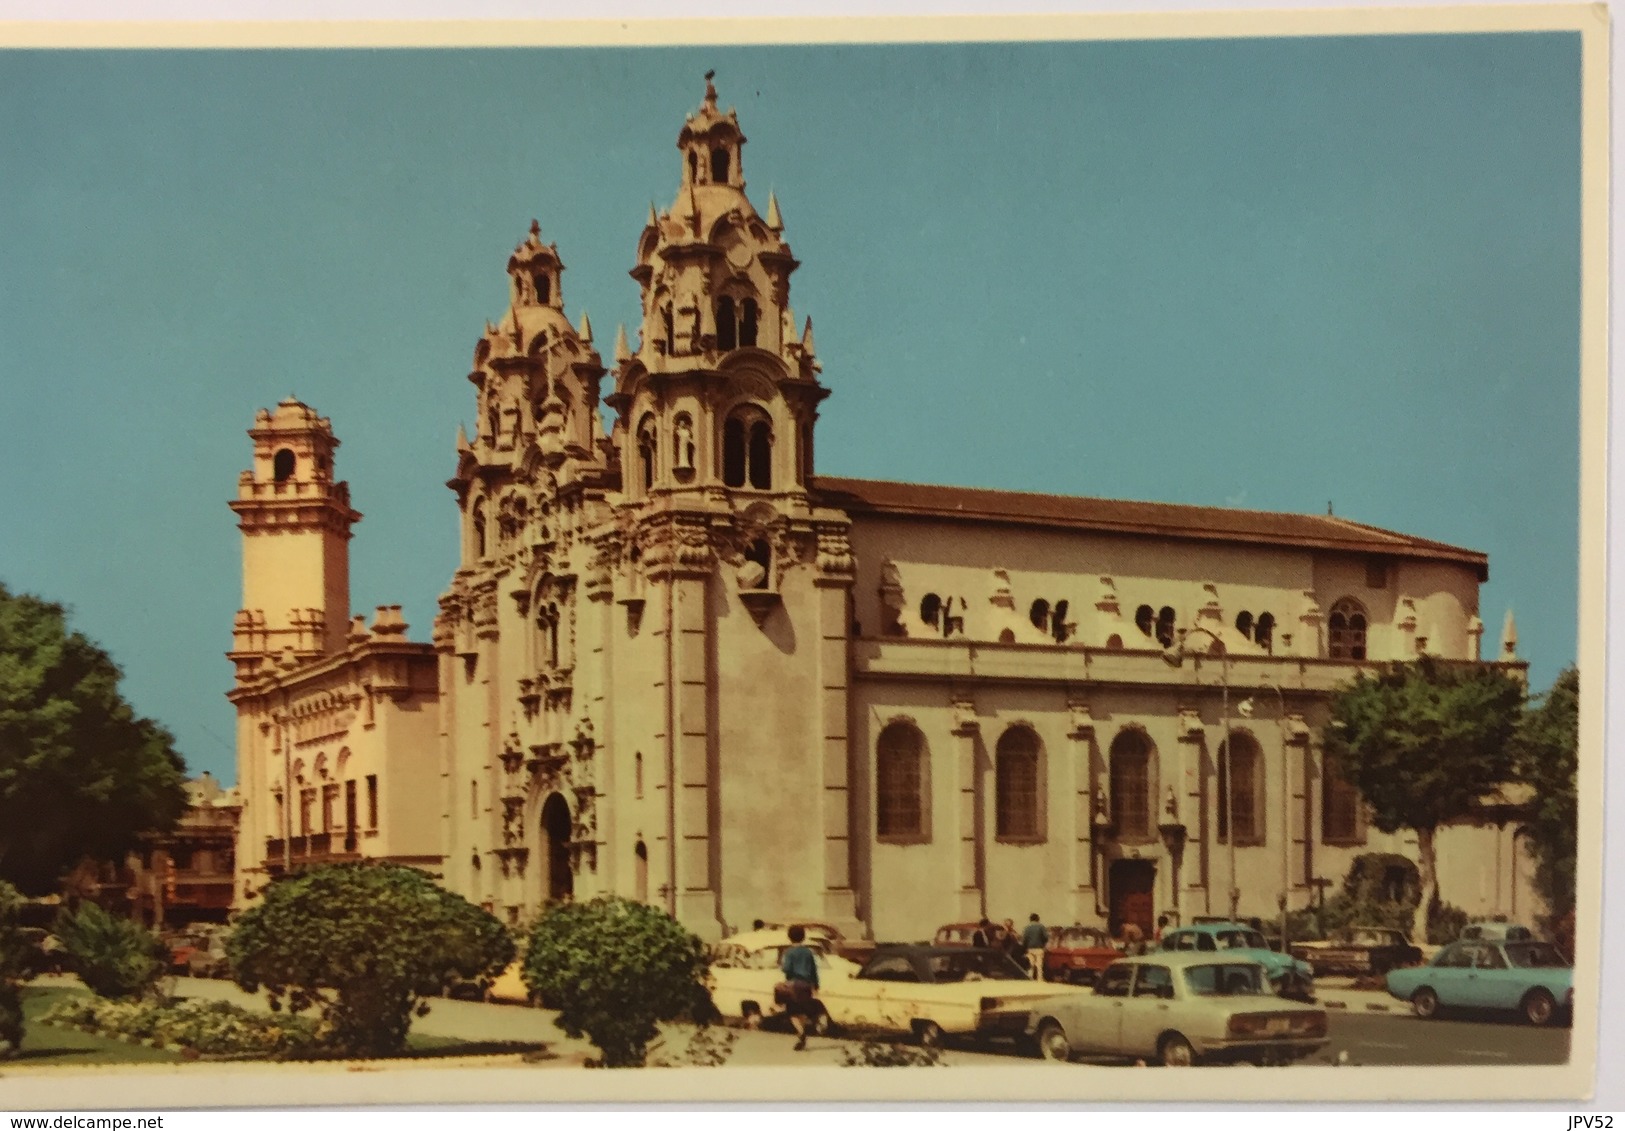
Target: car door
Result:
[1098, 1021]
[1147, 1010]
[1497, 985]
[879, 997]
[1451, 976]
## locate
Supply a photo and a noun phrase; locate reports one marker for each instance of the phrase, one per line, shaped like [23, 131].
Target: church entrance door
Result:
[1131, 885]
[556, 837]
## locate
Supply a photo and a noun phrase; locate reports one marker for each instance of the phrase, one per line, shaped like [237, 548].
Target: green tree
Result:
[15, 962]
[1547, 746]
[80, 773]
[115, 957]
[364, 944]
[1423, 741]
[615, 969]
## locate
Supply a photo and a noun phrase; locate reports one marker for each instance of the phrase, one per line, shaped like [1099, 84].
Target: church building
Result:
[679, 662]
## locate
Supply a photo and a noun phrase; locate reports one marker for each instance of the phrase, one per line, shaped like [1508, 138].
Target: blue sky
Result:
[1260, 273]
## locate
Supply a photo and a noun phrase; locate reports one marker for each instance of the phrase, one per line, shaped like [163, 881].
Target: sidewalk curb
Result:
[1370, 1006]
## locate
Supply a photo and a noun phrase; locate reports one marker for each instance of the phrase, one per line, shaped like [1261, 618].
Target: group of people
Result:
[1025, 949]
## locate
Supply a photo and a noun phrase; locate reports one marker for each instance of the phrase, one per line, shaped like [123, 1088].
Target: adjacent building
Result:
[679, 662]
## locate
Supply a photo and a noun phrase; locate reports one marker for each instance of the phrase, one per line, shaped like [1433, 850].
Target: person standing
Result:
[982, 937]
[800, 968]
[1034, 938]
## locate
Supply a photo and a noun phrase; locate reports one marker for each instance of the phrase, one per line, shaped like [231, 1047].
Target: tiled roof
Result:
[1117, 516]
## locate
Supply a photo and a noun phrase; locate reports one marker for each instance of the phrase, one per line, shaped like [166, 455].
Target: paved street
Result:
[1405, 1039]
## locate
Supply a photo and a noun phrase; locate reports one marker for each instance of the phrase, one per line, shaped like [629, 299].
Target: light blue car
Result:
[1531, 977]
[1289, 977]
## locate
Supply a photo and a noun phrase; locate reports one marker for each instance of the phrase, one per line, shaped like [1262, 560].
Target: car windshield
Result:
[1226, 979]
[1241, 940]
[1530, 954]
[1371, 938]
[973, 965]
[1081, 937]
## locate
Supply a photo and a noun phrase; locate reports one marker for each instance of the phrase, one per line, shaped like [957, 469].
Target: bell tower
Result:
[722, 390]
[296, 543]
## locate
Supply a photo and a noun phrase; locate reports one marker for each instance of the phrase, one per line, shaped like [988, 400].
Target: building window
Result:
[693, 166]
[1376, 573]
[372, 801]
[669, 325]
[307, 802]
[719, 166]
[1243, 763]
[899, 783]
[474, 798]
[1345, 630]
[1165, 627]
[282, 465]
[544, 289]
[637, 774]
[1131, 786]
[1264, 632]
[727, 325]
[479, 529]
[747, 449]
[748, 317]
[180, 859]
[330, 801]
[640, 872]
[1016, 792]
[1341, 818]
[646, 453]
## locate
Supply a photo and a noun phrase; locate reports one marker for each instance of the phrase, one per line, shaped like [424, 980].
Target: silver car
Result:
[1174, 1008]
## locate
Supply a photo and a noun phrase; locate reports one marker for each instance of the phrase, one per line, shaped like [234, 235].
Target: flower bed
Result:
[211, 1028]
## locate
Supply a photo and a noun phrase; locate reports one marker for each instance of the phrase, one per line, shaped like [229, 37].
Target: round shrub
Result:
[363, 944]
[614, 969]
[115, 957]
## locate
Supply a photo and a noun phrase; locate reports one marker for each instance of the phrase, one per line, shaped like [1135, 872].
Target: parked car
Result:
[745, 969]
[932, 992]
[1497, 932]
[856, 950]
[181, 947]
[1290, 977]
[1078, 954]
[1359, 950]
[1528, 976]
[208, 957]
[1176, 1008]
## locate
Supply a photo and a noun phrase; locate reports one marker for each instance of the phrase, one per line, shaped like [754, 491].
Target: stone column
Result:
[832, 585]
[967, 817]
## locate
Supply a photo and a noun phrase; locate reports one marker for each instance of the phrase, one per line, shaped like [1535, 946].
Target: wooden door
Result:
[1131, 884]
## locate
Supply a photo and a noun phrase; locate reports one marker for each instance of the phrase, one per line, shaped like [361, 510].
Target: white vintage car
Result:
[932, 992]
[1174, 1008]
[745, 968]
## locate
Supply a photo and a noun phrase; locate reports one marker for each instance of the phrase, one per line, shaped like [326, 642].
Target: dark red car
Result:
[1078, 954]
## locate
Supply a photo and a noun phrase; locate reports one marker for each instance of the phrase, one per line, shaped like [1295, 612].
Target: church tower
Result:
[296, 543]
[734, 581]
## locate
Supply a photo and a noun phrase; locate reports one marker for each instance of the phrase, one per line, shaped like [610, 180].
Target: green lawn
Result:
[49, 1044]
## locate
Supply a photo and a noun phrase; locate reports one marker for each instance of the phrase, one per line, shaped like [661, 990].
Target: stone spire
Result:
[774, 220]
[622, 350]
[1509, 638]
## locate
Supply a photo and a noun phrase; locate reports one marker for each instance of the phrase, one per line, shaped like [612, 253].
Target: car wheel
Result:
[929, 1034]
[1425, 1003]
[1539, 1007]
[1176, 1051]
[1052, 1042]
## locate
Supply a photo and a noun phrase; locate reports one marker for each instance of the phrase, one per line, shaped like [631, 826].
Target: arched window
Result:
[931, 610]
[637, 774]
[761, 455]
[553, 636]
[899, 781]
[1016, 792]
[544, 289]
[1264, 632]
[1058, 627]
[1145, 619]
[640, 872]
[478, 523]
[1345, 630]
[670, 329]
[719, 165]
[727, 327]
[282, 465]
[1039, 615]
[1241, 762]
[493, 424]
[733, 452]
[1165, 627]
[693, 166]
[646, 452]
[1244, 624]
[748, 318]
[1131, 786]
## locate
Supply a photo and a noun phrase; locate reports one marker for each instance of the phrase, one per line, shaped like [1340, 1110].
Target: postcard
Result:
[570, 561]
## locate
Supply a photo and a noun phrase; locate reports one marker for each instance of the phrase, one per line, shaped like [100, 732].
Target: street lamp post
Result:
[1175, 655]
